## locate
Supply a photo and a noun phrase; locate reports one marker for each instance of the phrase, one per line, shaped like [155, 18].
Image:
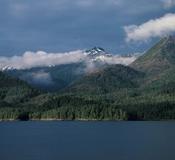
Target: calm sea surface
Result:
[87, 140]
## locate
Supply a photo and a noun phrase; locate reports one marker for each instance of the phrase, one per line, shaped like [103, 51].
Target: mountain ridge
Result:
[145, 90]
[57, 77]
[108, 80]
[161, 54]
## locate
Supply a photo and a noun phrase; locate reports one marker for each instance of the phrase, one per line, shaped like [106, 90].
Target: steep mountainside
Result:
[109, 79]
[159, 58]
[158, 63]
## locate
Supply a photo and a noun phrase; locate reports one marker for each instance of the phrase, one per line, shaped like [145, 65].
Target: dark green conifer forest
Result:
[145, 90]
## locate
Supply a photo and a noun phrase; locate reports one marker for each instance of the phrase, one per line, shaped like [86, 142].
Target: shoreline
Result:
[83, 120]
[50, 119]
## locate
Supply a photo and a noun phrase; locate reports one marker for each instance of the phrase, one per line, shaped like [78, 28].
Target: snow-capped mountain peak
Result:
[97, 52]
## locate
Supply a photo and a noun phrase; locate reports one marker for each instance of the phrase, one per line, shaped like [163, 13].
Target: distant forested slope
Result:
[145, 90]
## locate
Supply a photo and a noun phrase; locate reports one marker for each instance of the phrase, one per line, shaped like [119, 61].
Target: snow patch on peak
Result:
[7, 68]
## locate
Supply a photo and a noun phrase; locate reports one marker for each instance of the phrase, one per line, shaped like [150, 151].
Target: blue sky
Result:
[67, 25]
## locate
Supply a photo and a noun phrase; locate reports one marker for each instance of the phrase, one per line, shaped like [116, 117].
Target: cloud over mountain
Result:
[42, 59]
[117, 59]
[159, 27]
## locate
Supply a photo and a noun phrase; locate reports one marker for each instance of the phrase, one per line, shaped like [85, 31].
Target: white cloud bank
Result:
[168, 3]
[117, 59]
[153, 28]
[42, 59]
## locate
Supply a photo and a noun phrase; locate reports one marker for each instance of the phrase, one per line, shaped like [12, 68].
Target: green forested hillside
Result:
[13, 90]
[143, 91]
[158, 64]
[107, 80]
[159, 57]
[52, 78]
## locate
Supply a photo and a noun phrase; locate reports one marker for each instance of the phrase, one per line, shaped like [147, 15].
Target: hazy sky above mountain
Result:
[119, 26]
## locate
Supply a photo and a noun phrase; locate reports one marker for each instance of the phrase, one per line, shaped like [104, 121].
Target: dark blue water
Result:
[87, 140]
